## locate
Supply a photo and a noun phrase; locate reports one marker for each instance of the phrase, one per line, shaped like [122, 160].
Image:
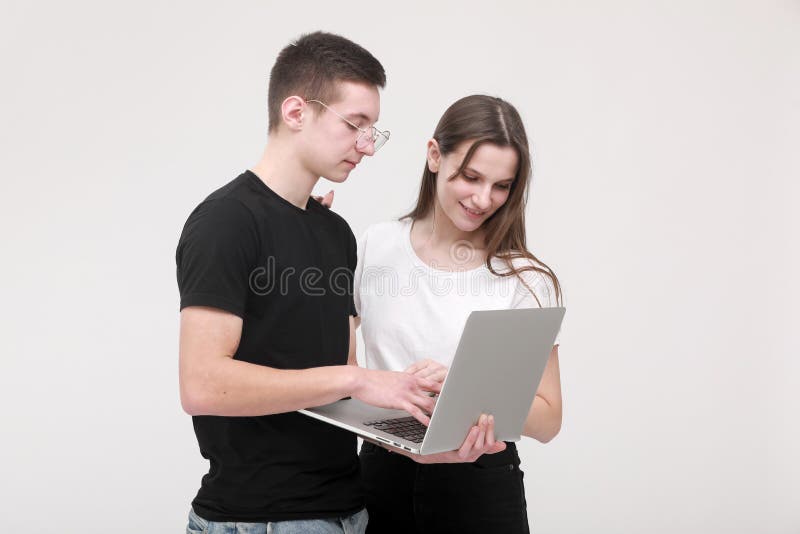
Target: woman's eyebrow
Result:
[473, 171]
[480, 174]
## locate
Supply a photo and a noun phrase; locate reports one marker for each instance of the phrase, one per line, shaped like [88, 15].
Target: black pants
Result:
[404, 496]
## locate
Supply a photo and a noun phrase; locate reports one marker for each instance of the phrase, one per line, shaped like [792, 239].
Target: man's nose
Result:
[368, 148]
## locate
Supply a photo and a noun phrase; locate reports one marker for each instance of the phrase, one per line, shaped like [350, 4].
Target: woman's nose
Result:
[482, 199]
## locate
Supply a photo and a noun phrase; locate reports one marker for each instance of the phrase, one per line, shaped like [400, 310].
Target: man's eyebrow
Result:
[360, 116]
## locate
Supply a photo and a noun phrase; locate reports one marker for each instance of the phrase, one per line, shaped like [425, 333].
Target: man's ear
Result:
[434, 156]
[292, 111]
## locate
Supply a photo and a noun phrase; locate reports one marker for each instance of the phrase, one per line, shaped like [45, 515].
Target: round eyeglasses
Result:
[366, 136]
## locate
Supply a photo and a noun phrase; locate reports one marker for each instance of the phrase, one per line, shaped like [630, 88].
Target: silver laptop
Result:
[496, 370]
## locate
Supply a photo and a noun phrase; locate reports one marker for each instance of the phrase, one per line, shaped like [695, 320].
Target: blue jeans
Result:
[352, 524]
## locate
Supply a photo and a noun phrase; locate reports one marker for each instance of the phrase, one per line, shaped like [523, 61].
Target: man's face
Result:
[329, 142]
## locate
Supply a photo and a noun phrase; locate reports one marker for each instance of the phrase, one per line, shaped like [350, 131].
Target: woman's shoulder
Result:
[518, 262]
[384, 230]
[382, 242]
[535, 276]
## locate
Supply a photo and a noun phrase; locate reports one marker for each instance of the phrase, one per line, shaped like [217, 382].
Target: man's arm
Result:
[213, 383]
[544, 417]
[355, 322]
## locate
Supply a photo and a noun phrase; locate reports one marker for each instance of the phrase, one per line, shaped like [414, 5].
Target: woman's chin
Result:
[467, 225]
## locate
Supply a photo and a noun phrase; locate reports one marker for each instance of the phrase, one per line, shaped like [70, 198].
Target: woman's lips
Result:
[470, 213]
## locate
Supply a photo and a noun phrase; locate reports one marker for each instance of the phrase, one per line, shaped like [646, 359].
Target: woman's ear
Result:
[292, 110]
[434, 156]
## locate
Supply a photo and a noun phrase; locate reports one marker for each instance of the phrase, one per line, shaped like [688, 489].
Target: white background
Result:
[666, 175]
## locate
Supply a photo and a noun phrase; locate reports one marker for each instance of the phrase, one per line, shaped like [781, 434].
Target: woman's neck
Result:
[442, 233]
[435, 237]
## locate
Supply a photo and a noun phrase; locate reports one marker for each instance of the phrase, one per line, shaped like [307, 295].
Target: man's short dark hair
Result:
[310, 67]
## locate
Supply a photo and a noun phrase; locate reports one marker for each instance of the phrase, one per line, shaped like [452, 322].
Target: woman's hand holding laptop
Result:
[480, 439]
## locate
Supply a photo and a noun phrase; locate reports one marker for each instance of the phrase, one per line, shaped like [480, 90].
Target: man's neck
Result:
[281, 170]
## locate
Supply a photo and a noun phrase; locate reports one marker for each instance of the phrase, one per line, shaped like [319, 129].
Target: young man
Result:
[265, 277]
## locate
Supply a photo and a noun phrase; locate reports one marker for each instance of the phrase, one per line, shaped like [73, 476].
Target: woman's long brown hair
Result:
[486, 119]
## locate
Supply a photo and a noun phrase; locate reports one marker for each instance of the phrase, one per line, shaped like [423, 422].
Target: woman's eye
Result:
[470, 178]
[505, 187]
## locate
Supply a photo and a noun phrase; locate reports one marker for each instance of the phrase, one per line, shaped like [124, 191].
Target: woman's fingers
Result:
[326, 200]
[479, 442]
[466, 447]
[490, 432]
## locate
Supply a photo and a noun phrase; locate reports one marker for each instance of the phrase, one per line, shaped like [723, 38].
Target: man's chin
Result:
[337, 176]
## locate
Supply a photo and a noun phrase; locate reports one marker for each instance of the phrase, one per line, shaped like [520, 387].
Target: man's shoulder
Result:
[326, 212]
[235, 196]
[331, 218]
[222, 210]
[225, 212]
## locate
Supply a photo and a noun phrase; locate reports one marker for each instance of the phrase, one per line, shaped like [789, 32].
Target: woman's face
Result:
[481, 189]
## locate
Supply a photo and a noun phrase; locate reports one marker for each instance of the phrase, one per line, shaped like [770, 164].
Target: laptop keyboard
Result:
[403, 427]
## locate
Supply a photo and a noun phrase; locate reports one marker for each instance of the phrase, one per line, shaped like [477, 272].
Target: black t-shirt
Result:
[288, 273]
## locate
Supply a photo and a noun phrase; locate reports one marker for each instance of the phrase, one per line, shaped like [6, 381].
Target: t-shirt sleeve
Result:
[354, 262]
[544, 293]
[357, 275]
[216, 253]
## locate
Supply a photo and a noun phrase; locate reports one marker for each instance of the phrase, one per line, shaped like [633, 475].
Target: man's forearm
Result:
[230, 387]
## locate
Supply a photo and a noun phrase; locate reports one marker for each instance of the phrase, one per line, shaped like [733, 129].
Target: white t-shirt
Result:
[410, 310]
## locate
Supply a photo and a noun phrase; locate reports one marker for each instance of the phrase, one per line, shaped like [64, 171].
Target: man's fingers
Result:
[424, 401]
[429, 385]
[424, 372]
[439, 375]
[418, 366]
[413, 368]
[429, 403]
[418, 414]
[427, 369]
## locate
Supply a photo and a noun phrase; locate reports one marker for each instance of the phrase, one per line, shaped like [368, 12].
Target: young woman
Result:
[462, 248]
